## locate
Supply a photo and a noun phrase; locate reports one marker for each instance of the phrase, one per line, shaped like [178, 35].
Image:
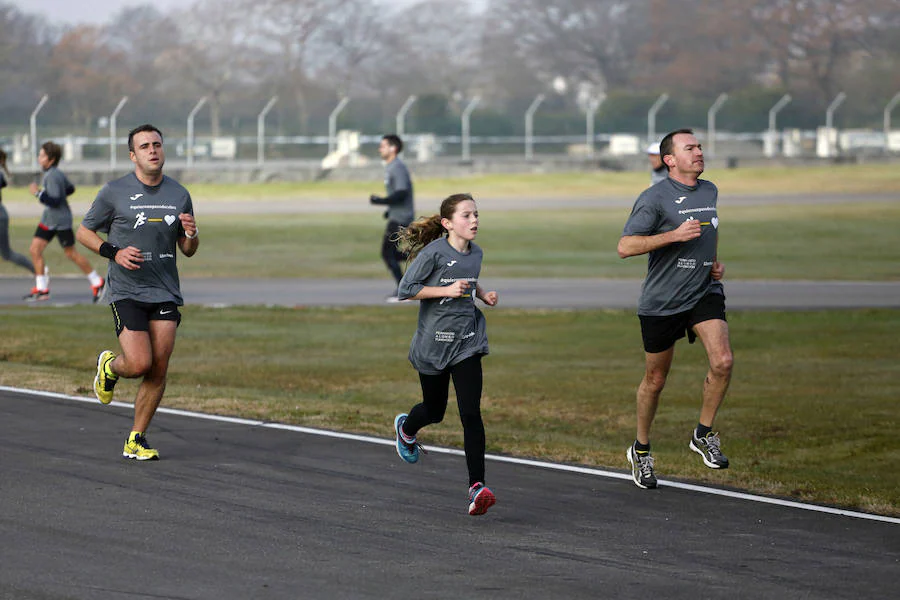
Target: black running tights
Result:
[467, 380]
[392, 256]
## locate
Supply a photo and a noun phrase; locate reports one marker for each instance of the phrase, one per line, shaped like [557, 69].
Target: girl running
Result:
[451, 337]
[5, 251]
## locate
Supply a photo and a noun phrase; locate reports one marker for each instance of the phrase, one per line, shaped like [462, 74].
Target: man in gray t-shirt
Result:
[146, 216]
[658, 170]
[676, 222]
[399, 201]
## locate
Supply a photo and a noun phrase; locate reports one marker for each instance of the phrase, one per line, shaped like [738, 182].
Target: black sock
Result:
[702, 430]
[639, 447]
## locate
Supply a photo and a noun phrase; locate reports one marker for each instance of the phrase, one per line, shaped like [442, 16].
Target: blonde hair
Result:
[424, 230]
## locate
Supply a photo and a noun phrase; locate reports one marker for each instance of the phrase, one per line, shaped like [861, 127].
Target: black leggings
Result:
[390, 254]
[467, 379]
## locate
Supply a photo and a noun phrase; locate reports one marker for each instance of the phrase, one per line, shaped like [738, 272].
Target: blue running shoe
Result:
[407, 447]
[481, 498]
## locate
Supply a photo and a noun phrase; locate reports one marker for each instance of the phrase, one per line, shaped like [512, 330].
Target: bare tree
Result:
[351, 37]
[593, 41]
[23, 58]
[813, 42]
[213, 54]
[284, 32]
[87, 74]
[699, 48]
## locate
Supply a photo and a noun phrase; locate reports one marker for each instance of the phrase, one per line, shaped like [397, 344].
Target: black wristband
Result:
[107, 250]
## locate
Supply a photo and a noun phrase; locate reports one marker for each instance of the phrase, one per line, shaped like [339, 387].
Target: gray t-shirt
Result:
[146, 217]
[678, 275]
[657, 175]
[449, 330]
[396, 178]
[56, 187]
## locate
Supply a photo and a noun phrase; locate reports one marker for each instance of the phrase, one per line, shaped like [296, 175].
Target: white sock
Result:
[95, 279]
[42, 282]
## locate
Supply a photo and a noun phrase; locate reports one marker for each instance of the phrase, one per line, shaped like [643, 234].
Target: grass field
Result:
[853, 241]
[811, 413]
[826, 179]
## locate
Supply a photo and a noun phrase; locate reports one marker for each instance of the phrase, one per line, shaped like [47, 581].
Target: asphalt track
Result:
[252, 510]
[514, 293]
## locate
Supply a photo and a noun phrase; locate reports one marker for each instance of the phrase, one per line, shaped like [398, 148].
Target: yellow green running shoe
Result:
[137, 447]
[105, 380]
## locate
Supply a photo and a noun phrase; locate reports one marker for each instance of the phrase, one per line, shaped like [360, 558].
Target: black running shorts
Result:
[136, 316]
[66, 236]
[661, 333]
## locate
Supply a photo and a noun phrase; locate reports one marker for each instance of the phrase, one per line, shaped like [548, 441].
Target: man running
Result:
[145, 215]
[676, 222]
[399, 201]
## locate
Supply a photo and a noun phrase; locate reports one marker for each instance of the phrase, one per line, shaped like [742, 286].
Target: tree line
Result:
[310, 53]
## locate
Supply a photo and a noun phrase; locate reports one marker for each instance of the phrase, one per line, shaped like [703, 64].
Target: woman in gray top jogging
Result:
[450, 337]
[5, 251]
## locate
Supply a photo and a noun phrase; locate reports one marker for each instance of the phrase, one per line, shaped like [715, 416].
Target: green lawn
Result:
[811, 414]
[854, 241]
[829, 179]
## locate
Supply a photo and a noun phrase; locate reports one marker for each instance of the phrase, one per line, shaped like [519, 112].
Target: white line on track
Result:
[507, 459]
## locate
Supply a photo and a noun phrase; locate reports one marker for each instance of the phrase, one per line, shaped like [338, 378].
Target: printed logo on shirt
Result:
[169, 219]
[680, 199]
[135, 197]
[715, 222]
[444, 336]
[451, 263]
[139, 220]
[688, 211]
[686, 263]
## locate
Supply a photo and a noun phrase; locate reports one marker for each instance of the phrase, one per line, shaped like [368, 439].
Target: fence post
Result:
[401, 115]
[711, 122]
[651, 117]
[771, 136]
[829, 118]
[261, 131]
[887, 119]
[33, 123]
[112, 133]
[332, 123]
[593, 105]
[465, 126]
[190, 130]
[529, 126]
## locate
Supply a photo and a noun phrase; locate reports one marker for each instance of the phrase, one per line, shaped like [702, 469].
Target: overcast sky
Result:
[94, 12]
[69, 12]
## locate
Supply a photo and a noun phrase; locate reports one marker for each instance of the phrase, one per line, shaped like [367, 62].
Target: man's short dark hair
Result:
[53, 152]
[395, 141]
[139, 129]
[667, 145]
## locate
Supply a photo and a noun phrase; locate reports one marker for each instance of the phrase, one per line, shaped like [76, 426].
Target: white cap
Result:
[653, 148]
